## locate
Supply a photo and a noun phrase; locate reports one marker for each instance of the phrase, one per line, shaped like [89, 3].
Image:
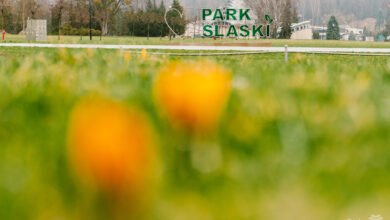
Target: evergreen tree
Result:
[5, 18]
[287, 19]
[387, 22]
[149, 6]
[179, 24]
[295, 15]
[149, 22]
[316, 35]
[176, 4]
[161, 8]
[333, 32]
[56, 16]
[154, 6]
[351, 36]
[380, 21]
[164, 30]
[366, 32]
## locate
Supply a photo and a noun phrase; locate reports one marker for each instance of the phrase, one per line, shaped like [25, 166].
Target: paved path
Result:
[205, 48]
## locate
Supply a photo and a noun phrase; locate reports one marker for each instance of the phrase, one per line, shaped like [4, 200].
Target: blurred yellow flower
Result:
[111, 146]
[193, 94]
[90, 52]
[144, 54]
[127, 56]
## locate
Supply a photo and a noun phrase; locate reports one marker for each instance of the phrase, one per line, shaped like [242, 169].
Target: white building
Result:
[346, 33]
[321, 30]
[194, 30]
[349, 33]
[302, 31]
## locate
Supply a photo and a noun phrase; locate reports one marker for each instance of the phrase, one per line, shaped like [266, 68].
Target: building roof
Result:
[298, 26]
[308, 22]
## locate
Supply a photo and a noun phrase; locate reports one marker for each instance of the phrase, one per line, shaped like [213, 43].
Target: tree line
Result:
[105, 17]
[121, 17]
[124, 17]
[150, 21]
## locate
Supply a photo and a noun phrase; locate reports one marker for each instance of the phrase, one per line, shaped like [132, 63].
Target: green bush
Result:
[69, 30]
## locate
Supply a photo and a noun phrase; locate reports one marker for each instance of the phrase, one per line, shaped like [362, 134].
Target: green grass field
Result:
[304, 140]
[159, 41]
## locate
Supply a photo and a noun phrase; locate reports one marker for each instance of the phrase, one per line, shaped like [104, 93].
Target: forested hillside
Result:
[360, 9]
[310, 9]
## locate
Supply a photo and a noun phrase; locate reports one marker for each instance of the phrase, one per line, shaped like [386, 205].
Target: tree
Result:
[148, 22]
[150, 16]
[178, 23]
[272, 8]
[161, 8]
[266, 7]
[4, 13]
[287, 19]
[163, 27]
[380, 21]
[57, 12]
[295, 15]
[26, 9]
[316, 35]
[149, 6]
[32, 7]
[366, 32]
[82, 13]
[107, 9]
[387, 20]
[318, 10]
[351, 36]
[333, 32]
[119, 23]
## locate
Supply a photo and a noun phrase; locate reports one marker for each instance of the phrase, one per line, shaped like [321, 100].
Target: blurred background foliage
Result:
[304, 140]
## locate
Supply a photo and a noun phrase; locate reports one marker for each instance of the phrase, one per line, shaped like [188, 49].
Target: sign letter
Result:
[205, 13]
[244, 13]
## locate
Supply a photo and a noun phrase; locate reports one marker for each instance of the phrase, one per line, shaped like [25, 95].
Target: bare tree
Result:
[4, 7]
[27, 9]
[107, 9]
[31, 8]
[273, 8]
[266, 7]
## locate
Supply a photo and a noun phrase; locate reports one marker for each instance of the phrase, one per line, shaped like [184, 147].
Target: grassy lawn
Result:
[158, 41]
[303, 140]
